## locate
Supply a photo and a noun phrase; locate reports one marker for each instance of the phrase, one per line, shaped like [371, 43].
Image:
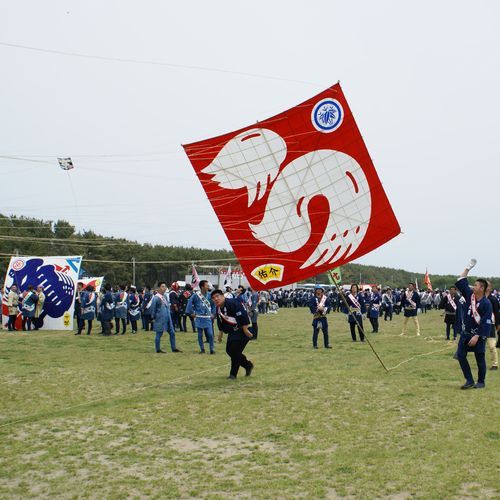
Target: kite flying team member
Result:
[410, 301]
[134, 307]
[121, 309]
[202, 309]
[183, 302]
[451, 305]
[388, 303]
[28, 307]
[232, 318]
[253, 312]
[12, 304]
[373, 311]
[355, 310]
[38, 320]
[107, 310]
[89, 305]
[146, 312]
[477, 322]
[319, 305]
[160, 312]
[78, 306]
[495, 318]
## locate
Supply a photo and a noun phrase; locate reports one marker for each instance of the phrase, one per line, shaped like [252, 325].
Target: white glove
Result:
[471, 264]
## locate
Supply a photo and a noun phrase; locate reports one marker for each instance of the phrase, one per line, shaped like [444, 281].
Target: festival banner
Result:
[297, 194]
[334, 276]
[57, 275]
[427, 280]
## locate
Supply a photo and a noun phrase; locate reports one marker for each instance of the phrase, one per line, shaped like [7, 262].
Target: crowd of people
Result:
[236, 312]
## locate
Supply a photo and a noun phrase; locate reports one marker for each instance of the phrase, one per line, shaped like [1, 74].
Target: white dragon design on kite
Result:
[253, 160]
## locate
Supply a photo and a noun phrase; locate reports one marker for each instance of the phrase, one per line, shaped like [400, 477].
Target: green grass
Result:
[106, 417]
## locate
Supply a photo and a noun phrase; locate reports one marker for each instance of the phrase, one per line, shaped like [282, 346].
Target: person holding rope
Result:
[354, 307]
[410, 301]
[318, 306]
[477, 327]
[232, 318]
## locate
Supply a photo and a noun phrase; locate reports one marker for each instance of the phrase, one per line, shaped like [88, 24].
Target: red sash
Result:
[451, 301]
[228, 319]
[473, 308]
[408, 298]
[355, 302]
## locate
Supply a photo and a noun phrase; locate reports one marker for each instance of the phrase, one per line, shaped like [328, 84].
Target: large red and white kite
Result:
[296, 194]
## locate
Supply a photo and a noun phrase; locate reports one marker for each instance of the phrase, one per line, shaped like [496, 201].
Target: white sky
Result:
[422, 79]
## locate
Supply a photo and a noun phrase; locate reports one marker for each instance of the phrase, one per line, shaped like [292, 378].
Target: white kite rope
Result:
[118, 396]
[154, 63]
[179, 379]
[417, 356]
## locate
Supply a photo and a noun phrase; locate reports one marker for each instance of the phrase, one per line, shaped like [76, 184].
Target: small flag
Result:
[195, 280]
[334, 276]
[227, 279]
[66, 163]
[427, 280]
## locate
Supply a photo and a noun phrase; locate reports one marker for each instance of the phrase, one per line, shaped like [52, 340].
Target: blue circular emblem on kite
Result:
[327, 115]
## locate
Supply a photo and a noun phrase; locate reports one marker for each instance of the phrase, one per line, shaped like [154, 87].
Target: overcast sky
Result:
[422, 79]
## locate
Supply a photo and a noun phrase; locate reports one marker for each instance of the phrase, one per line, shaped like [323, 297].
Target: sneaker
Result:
[232, 377]
[176, 350]
[201, 352]
[248, 370]
[212, 352]
[315, 346]
[467, 385]
[479, 385]
[328, 347]
[494, 368]
[160, 352]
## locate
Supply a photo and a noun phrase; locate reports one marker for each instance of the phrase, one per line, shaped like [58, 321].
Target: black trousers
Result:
[234, 349]
[353, 331]
[106, 327]
[374, 322]
[11, 325]
[117, 325]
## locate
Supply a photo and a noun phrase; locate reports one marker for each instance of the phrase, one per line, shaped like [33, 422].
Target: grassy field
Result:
[107, 417]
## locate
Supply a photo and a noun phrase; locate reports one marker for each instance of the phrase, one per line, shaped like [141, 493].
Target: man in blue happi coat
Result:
[202, 309]
[318, 305]
[162, 321]
[477, 326]
[375, 300]
[107, 310]
[410, 302]
[121, 309]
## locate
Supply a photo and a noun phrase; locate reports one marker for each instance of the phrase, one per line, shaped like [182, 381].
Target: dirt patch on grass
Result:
[226, 447]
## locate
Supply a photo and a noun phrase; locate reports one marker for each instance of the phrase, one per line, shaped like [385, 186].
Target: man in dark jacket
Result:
[232, 319]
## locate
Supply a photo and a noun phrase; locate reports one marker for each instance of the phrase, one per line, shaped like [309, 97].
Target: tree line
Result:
[31, 236]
